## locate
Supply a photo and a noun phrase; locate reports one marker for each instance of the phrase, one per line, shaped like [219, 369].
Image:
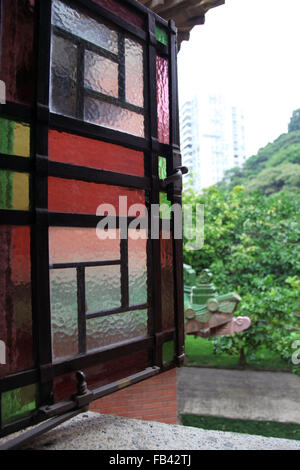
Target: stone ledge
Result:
[92, 431]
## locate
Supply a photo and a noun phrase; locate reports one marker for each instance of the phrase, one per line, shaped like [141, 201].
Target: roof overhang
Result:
[185, 13]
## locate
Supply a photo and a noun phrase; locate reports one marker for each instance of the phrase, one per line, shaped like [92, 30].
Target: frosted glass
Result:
[63, 291]
[163, 102]
[102, 288]
[70, 245]
[101, 74]
[18, 403]
[84, 26]
[115, 328]
[63, 76]
[113, 117]
[137, 263]
[134, 73]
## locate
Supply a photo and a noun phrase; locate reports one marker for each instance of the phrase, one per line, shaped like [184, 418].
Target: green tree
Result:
[251, 247]
[294, 124]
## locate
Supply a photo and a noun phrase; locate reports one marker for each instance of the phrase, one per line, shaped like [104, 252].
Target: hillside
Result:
[275, 168]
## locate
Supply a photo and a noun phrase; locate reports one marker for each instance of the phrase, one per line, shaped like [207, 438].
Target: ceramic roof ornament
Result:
[208, 314]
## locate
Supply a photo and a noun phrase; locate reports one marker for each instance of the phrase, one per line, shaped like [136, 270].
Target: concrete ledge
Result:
[266, 396]
[92, 431]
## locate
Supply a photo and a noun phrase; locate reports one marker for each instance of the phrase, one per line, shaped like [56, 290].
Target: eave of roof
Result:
[185, 13]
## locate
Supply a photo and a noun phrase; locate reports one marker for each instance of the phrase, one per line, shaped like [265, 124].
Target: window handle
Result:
[178, 172]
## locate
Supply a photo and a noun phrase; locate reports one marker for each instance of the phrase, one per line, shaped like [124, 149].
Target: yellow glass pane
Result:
[21, 191]
[22, 140]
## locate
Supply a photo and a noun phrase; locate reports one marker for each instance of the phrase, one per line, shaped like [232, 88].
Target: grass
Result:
[199, 353]
[258, 428]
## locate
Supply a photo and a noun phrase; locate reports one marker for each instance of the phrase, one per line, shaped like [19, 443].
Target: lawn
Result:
[258, 428]
[199, 353]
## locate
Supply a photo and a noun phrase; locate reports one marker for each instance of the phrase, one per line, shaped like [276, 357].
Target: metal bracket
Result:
[177, 175]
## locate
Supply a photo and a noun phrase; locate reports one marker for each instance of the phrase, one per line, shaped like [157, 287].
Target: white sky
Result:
[250, 51]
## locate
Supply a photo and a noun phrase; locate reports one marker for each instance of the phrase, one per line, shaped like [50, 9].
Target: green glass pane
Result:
[14, 138]
[165, 206]
[162, 168]
[161, 36]
[168, 352]
[18, 403]
[14, 190]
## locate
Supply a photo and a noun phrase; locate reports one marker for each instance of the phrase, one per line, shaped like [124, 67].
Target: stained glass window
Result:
[97, 74]
[163, 101]
[17, 35]
[168, 352]
[15, 298]
[18, 403]
[161, 36]
[77, 150]
[99, 282]
[81, 197]
[167, 280]
[14, 138]
[14, 190]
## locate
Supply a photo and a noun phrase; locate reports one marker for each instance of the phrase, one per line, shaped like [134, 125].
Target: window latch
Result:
[177, 175]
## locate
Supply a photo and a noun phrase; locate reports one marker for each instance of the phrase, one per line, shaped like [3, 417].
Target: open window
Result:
[89, 128]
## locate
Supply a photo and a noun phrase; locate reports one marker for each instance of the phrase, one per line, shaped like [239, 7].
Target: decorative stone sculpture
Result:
[208, 314]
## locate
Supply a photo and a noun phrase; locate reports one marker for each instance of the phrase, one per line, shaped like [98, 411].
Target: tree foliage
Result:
[294, 124]
[252, 247]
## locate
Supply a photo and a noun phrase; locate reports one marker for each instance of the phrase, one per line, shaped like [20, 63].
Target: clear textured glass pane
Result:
[134, 73]
[137, 263]
[14, 190]
[15, 298]
[102, 288]
[63, 76]
[84, 26]
[114, 117]
[74, 245]
[101, 74]
[14, 138]
[115, 328]
[63, 289]
[18, 403]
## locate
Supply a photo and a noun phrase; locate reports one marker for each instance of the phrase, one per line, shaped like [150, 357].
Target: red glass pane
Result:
[16, 57]
[84, 198]
[78, 244]
[102, 374]
[70, 148]
[123, 11]
[167, 280]
[163, 101]
[15, 298]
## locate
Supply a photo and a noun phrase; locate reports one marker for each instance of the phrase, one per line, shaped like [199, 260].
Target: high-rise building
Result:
[212, 138]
